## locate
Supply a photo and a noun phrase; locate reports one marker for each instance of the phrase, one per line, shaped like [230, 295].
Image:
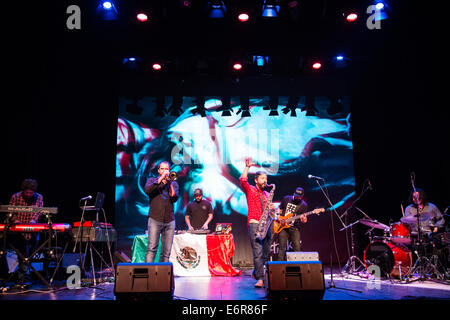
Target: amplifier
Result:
[94, 234]
[302, 256]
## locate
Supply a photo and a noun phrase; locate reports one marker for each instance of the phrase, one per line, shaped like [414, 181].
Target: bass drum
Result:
[390, 257]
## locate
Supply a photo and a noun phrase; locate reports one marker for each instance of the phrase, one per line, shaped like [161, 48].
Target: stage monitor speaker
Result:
[144, 281]
[294, 280]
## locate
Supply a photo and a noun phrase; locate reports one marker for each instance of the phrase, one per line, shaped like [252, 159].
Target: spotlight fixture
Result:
[237, 66]
[317, 65]
[245, 107]
[107, 10]
[273, 104]
[175, 107]
[291, 106]
[270, 8]
[200, 108]
[352, 17]
[309, 106]
[142, 17]
[243, 17]
[260, 61]
[216, 9]
[157, 66]
[226, 106]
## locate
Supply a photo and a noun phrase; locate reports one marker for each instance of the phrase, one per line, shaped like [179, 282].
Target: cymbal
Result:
[412, 219]
[374, 224]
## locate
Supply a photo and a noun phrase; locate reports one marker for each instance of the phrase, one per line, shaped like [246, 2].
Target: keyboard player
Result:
[24, 242]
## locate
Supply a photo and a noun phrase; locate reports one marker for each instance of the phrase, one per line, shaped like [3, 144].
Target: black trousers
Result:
[294, 234]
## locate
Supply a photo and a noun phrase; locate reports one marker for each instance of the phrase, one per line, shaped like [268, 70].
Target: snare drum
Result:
[400, 233]
[390, 257]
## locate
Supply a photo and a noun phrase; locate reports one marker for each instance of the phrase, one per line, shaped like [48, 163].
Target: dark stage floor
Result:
[347, 287]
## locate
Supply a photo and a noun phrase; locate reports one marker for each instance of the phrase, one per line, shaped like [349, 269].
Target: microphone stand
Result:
[351, 260]
[331, 239]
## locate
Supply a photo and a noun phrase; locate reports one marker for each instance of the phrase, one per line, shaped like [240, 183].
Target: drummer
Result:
[429, 215]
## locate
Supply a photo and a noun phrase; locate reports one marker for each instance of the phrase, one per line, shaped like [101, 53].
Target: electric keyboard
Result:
[44, 210]
[35, 227]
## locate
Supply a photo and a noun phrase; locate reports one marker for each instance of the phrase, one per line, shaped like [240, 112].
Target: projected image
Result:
[208, 150]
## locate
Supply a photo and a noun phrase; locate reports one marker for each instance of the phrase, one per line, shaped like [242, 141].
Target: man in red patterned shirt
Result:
[256, 199]
[23, 242]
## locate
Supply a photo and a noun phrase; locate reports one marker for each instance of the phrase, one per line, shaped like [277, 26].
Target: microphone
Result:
[310, 176]
[86, 198]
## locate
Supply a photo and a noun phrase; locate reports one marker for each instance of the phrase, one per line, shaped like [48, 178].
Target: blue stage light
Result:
[270, 8]
[107, 5]
[216, 9]
[107, 10]
[379, 5]
[340, 58]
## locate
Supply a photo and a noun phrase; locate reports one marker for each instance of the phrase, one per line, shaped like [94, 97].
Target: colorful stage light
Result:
[352, 17]
[107, 5]
[317, 65]
[157, 66]
[243, 17]
[142, 17]
[237, 66]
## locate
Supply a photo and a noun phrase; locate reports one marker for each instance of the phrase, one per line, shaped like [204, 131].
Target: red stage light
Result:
[243, 17]
[352, 17]
[317, 65]
[237, 66]
[142, 17]
[156, 66]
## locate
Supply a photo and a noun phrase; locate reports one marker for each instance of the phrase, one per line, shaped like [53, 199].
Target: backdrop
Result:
[208, 152]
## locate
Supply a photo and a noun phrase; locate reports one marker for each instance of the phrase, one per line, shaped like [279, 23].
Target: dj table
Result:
[194, 254]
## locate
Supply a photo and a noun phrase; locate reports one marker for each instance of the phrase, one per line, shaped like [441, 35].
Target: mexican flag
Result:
[202, 255]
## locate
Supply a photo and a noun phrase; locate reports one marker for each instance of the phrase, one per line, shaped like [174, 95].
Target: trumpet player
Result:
[256, 200]
[163, 193]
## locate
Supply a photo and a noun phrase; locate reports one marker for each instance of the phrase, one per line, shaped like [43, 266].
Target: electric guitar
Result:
[289, 218]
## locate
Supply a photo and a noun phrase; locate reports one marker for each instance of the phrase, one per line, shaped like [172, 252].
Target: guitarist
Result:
[299, 206]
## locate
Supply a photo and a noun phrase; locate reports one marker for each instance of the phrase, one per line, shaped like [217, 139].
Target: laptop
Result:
[98, 203]
[223, 228]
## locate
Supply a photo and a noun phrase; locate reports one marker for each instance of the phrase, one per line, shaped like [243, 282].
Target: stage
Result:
[347, 287]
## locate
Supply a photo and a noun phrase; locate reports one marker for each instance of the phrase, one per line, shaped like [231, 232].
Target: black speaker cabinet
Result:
[294, 280]
[144, 281]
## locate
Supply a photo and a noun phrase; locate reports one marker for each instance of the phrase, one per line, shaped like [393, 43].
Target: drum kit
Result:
[409, 250]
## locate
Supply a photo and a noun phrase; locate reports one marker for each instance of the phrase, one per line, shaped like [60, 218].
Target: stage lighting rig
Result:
[245, 107]
[291, 106]
[175, 107]
[309, 106]
[107, 10]
[273, 104]
[216, 9]
[270, 8]
[200, 108]
[226, 106]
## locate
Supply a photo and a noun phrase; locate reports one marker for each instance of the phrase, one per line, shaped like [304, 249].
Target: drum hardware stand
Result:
[331, 240]
[353, 258]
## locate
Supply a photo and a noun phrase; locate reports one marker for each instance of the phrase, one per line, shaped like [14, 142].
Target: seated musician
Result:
[298, 206]
[420, 204]
[199, 212]
[25, 241]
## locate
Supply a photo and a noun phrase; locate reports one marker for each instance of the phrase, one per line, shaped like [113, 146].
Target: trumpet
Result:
[173, 176]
